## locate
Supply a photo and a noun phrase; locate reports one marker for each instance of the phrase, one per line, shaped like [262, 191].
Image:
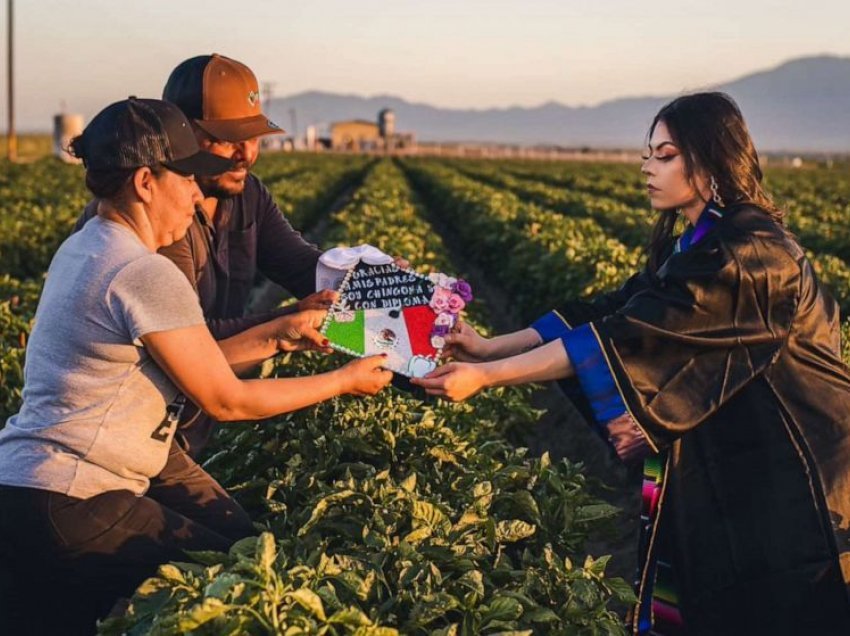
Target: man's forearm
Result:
[250, 347]
[223, 328]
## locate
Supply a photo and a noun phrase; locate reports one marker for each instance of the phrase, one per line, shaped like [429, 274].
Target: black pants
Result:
[65, 561]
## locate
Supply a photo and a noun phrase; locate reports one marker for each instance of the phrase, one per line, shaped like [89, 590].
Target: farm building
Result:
[354, 134]
[364, 135]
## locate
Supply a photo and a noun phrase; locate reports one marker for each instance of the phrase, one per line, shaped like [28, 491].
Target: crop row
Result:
[820, 193]
[621, 182]
[630, 224]
[536, 254]
[605, 200]
[816, 202]
[310, 183]
[39, 204]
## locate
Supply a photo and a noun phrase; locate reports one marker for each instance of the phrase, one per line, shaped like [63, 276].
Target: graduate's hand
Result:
[322, 299]
[299, 331]
[365, 376]
[401, 263]
[466, 344]
[455, 381]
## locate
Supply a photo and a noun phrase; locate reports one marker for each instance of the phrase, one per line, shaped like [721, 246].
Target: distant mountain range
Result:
[802, 105]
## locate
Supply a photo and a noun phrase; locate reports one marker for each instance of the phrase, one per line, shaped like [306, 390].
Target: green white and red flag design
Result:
[384, 309]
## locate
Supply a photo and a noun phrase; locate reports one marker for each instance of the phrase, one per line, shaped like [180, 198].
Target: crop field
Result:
[395, 514]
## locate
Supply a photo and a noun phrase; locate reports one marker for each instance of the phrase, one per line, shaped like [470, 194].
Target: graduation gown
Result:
[726, 364]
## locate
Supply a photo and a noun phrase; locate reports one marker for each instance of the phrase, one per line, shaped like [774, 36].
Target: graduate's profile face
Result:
[667, 182]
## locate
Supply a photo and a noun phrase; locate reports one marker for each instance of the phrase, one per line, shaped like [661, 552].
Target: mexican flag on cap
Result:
[384, 309]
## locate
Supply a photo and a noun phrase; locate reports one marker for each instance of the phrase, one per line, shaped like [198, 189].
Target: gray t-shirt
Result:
[94, 416]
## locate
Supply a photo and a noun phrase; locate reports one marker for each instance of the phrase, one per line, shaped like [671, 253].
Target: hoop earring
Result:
[715, 194]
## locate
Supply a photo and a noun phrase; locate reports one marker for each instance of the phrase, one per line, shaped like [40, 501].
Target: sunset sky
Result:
[460, 53]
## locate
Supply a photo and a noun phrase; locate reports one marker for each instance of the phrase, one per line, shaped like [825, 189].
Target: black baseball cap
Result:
[144, 132]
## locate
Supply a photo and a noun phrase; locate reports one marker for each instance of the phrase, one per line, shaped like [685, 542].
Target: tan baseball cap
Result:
[221, 96]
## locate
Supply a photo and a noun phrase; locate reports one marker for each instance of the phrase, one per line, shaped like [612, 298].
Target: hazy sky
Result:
[460, 53]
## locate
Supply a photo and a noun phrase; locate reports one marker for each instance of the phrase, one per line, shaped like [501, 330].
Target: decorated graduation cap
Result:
[383, 308]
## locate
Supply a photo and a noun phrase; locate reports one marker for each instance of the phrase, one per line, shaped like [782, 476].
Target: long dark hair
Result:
[713, 138]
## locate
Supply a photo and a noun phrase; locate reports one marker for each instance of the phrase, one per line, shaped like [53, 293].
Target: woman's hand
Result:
[300, 331]
[322, 299]
[365, 376]
[467, 345]
[455, 381]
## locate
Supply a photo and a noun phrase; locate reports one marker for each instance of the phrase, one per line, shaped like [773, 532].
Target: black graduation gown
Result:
[729, 359]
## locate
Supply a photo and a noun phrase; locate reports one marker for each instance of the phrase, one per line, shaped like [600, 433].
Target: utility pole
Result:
[11, 137]
[294, 122]
[268, 92]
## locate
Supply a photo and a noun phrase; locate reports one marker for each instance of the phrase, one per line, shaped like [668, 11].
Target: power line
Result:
[11, 137]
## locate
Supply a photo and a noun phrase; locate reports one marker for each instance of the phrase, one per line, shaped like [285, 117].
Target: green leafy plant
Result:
[400, 514]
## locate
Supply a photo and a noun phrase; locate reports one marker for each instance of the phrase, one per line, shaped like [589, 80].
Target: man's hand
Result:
[300, 331]
[466, 344]
[319, 300]
[455, 381]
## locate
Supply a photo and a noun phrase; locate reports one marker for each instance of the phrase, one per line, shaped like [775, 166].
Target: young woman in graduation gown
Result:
[719, 366]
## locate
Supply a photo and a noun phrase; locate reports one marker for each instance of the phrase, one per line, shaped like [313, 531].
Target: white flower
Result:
[441, 280]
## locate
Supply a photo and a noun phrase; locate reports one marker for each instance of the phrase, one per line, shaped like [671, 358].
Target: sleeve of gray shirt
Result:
[151, 294]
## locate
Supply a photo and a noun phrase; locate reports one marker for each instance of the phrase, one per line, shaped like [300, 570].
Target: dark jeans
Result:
[65, 561]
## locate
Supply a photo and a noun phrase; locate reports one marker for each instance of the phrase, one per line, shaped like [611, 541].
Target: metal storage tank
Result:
[386, 123]
[65, 128]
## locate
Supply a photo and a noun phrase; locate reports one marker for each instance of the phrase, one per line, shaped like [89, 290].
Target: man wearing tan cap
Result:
[239, 230]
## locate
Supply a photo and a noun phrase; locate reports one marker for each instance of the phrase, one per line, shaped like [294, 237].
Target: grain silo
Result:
[386, 123]
[65, 128]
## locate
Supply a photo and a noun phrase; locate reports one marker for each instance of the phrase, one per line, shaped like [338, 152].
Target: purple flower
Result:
[456, 303]
[463, 289]
[440, 330]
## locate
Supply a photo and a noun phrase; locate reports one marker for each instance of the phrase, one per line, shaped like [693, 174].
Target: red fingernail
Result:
[384, 355]
[325, 342]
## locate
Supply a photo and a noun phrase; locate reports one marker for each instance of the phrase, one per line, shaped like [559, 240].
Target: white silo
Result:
[65, 128]
[386, 123]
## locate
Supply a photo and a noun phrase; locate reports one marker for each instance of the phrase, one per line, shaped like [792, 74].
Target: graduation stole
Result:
[707, 218]
[658, 610]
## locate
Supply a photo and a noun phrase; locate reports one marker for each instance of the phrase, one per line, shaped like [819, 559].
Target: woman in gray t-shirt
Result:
[119, 339]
